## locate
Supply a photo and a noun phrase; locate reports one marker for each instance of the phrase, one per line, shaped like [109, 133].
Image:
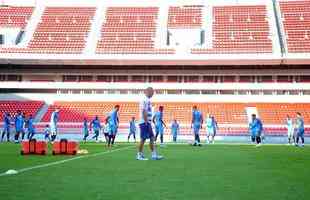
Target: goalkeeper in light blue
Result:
[211, 126]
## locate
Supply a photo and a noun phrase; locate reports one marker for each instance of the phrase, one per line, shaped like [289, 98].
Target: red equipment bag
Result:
[34, 147]
[65, 147]
[56, 148]
[72, 148]
[41, 147]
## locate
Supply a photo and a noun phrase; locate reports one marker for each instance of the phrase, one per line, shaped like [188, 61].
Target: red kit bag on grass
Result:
[34, 147]
[41, 147]
[65, 147]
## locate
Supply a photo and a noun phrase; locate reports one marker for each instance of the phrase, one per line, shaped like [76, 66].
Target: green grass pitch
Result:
[215, 172]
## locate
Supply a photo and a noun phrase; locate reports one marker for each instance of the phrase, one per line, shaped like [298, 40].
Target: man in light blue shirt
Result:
[196, 124]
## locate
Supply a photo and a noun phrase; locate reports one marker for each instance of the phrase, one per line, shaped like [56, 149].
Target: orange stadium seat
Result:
[130, 30]
[275, 113]
[295, 18]
[29, 107]
[185, 17]
[239, 29]
[15, 16]
[62, 30]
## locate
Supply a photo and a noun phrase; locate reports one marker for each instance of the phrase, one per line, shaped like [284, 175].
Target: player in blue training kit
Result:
[24, 125]
[132, 129]
[175, 128]
[53, 124]
[6, 127]
[96, 127]
[146, 131]
[113, 125]
[159, 125]
[197, 121]
[47, 132]
[31, 128]
[211, 125]
[19, 123]
[85, 130]
[256, 128]
[300, 129]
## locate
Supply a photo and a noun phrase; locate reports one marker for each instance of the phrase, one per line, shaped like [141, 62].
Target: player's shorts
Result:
[300, 132]
[159, 129]
[32, 130]
[210, 132]
[258, 133]
[113, 129]
[106, 134]
[96, 131]
[146, 131]
[132, 132]
[174, 133]
[196, 128]
[18, 129]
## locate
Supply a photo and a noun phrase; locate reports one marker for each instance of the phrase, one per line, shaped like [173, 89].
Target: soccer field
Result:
[210, 172]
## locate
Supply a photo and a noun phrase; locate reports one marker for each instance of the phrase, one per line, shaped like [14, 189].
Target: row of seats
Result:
[296, 21]
[185, 17]
[225, 113]
[15, 16]
[62, 30]
[28, 107]
[239, 29]
[235, 29]
[137, 24]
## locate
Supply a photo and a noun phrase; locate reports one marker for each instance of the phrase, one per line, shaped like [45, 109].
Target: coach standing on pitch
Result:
[146, 131]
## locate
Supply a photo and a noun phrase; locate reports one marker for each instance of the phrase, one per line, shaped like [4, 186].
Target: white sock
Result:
[154, 153]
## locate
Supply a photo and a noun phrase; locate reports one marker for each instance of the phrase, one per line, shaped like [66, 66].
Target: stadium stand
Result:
[295, 18]
[275, 113]
[29, 107]
[185, 17]
[62, 30]
[15, 16]
[76, 111]
[130, 30]
[239, 29]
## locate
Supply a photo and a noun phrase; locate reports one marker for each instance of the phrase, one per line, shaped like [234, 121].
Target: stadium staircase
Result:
[95, 32]
[41, 112]
[161, 28]
[32, 24]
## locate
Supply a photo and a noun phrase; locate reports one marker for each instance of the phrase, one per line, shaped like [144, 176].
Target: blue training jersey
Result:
[113, 118]
[158, 117]
[19, 121]
[6, 121]
[175, 127]
[96, 124]
[256, 126]
[300, 125]
[85, 125]
[30, 124]
[132, 126]
[197, 117]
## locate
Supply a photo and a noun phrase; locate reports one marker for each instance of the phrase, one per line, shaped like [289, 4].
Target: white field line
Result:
[65, 160]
